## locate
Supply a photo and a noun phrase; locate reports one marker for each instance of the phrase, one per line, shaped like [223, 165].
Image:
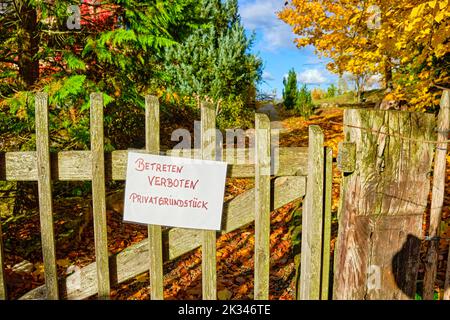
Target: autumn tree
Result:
[70, 49]
[406, 42]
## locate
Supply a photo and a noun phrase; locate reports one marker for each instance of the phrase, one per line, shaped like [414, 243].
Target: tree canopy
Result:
[406, 42]
[214, 61]
[123, 48]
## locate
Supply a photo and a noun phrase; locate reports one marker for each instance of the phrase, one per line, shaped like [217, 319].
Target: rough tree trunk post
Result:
[380, 223]
[437, 197]
[28, 44]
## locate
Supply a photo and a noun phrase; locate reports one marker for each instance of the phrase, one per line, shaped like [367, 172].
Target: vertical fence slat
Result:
[437, 197]
[262, 206]
[152, 145]
[2, 277]
[45, 195]
[208, 139]
[98, 196]
[327, 223]
[312, 219]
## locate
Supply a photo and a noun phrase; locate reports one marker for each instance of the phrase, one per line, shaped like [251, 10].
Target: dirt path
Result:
[275, 119]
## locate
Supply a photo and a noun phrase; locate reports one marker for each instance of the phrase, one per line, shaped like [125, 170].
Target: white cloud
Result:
[261, 15]
[374, 82]
[311, 76]
[267, 76]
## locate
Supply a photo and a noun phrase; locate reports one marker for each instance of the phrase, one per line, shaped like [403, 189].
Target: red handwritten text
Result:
[141, 165]
[172, 183]
[167, 201]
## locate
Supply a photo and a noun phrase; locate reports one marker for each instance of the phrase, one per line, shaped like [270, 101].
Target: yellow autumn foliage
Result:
[405, 41]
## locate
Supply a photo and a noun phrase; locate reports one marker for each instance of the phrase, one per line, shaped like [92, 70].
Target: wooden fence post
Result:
[312, 219]
[45, 195]
[98, 196]
[437, 197]
[154, 231]
[3, 294]
[385, 191]
[328, 188]
[262, 206]
[208, 143]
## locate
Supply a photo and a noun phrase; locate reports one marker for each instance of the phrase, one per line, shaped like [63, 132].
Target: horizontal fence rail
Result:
[77, 165]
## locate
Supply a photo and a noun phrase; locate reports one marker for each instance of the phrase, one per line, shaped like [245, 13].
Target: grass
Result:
[345, 98]
[350, 97]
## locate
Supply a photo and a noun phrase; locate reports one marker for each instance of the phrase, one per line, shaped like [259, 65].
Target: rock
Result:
[24, 267]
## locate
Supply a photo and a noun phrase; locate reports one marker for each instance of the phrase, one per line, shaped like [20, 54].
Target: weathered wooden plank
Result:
[45, 195]
[98, 196]
[154, 231]
[312, 219]
[262, 206]
[437, 198]
[241, 163]
[208, 145]
[325, 285]
[65, 166]
[3, 295]
[77, 165]
[133, 261]
[380, 223]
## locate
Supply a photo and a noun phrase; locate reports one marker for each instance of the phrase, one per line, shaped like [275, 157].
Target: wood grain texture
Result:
[312, 219]
[262, 206]
[208, 143]
[346, 160]
[133, 260]
[328, 189]
[45, 195]
[380, 223]
[154, 231]
[98, 196]
[437, 198]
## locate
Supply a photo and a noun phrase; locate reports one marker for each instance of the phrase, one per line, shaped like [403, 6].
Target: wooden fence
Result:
[301, 172]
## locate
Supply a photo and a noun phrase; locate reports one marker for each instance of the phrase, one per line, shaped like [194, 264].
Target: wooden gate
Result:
[296, 173]
[386, 161]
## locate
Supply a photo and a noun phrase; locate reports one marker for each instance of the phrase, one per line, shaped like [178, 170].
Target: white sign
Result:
[177, 192]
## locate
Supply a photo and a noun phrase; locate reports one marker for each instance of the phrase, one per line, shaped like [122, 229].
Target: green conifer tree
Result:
[303, 103]
[290, 90]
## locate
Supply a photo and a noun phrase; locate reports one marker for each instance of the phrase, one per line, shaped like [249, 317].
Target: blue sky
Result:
[275, 45]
